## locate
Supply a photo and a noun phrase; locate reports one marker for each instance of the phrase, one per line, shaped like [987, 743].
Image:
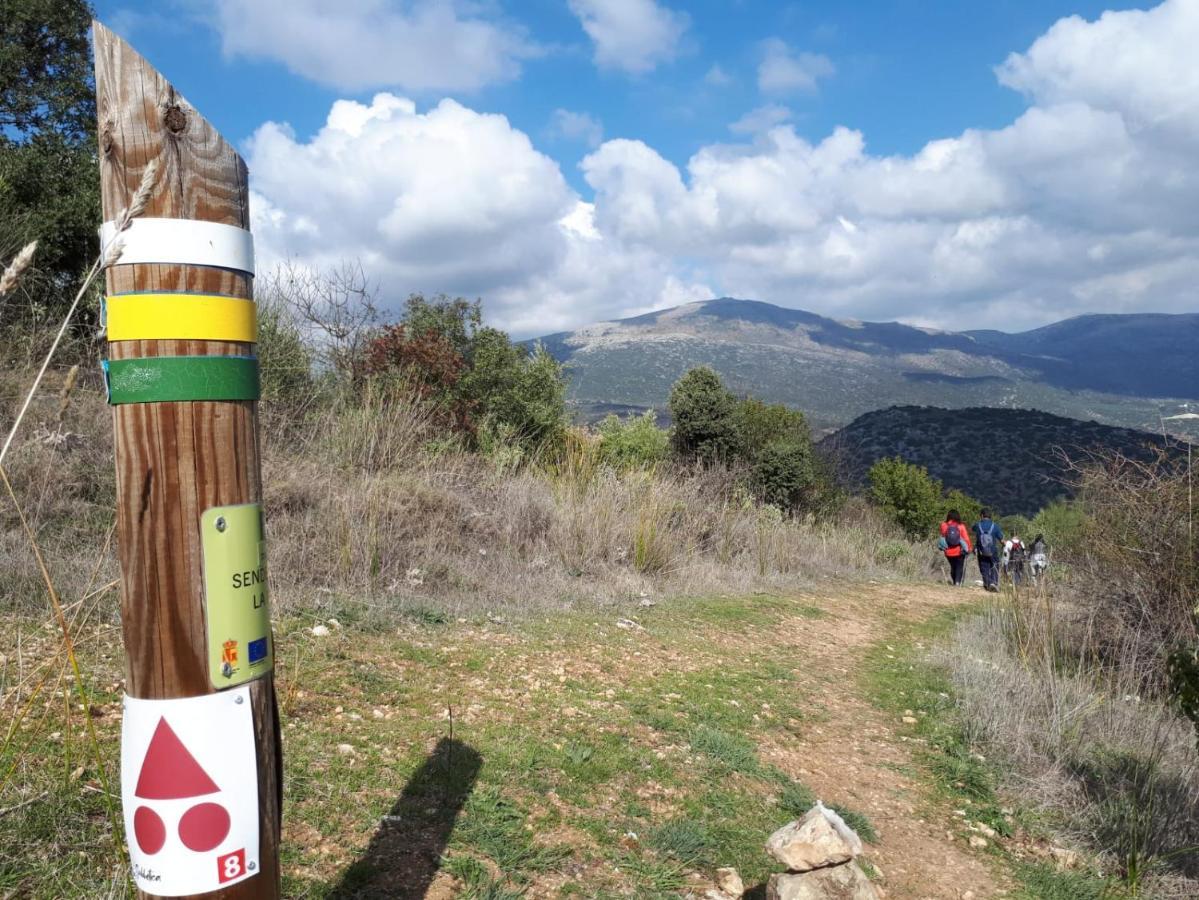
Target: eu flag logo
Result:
[257, 650]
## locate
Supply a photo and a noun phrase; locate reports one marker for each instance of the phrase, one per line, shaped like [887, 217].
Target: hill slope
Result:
[1011, 459]
[1109, 368]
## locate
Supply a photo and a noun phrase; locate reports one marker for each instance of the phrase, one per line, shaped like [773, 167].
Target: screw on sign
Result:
[190, 792]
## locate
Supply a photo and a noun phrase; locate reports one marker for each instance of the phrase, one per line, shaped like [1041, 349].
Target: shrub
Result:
[284, 360]
[760, 424]
[970, 509]
[705, 417]
[633, 443]
[1016, 525]
[1063, 523]
[907, 494]
[483, 384]
[784, 474]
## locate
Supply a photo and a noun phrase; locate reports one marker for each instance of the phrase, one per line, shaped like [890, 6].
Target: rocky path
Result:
[857, 752]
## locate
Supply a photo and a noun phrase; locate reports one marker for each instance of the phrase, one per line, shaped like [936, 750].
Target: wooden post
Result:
[176, 459]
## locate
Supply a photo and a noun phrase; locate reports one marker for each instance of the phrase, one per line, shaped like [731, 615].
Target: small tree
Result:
[785, 475]
[760, 424]
[633, 443]
[705, 417]
[487, 386]
[907, 494]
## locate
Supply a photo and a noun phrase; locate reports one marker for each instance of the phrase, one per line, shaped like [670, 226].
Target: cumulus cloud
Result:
[631, 35]
[443, 200]
[1087, 202]
[420, 46]
[783, 71]
[577, 126]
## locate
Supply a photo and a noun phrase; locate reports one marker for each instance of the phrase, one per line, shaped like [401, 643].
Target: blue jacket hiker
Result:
[988, 544]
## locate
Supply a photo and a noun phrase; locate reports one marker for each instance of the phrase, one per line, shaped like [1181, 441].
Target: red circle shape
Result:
[151, 834]
[204, 826]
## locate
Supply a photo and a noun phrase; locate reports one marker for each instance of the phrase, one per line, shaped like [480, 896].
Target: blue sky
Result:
[626, 122]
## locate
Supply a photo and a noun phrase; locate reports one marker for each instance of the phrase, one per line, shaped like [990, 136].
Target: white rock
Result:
[320, 631]
[846, 882]
[729, 880]
[628, 623]
[978, 843]
[819, 839]
[345, 749]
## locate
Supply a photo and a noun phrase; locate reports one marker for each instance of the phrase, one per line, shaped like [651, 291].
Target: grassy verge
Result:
[900, 678]
[570, 756]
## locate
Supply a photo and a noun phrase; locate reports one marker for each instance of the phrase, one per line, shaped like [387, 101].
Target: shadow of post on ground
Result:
[405, 853]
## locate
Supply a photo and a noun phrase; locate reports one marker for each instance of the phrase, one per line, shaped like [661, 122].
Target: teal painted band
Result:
[160, 379]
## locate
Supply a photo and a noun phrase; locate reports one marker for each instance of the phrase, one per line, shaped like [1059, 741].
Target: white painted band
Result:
[182, 242]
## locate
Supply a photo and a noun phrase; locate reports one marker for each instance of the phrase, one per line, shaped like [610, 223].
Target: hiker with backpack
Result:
[988, 545]
[1016, 556]
[1039, 558]
[955, 544]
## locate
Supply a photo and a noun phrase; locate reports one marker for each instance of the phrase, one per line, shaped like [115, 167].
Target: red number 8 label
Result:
[231, 865]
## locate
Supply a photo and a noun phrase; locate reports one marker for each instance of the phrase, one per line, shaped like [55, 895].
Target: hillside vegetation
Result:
[1119, 370]
[1015, 460]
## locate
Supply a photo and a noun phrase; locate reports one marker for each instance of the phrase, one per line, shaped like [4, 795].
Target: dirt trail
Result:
[856, 752]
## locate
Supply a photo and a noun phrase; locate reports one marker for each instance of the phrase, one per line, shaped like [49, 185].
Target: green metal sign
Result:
[238, 612]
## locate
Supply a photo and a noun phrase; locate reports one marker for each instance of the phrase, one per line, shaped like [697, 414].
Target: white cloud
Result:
[1126, 62]
[443, 200]
[716, 76]
[782, 71]
[1087, 202]
[631, 35]
[577, 126]
[761, 119]
[420, 46]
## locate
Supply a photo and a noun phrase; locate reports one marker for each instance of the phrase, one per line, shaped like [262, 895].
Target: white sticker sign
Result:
[189, 788]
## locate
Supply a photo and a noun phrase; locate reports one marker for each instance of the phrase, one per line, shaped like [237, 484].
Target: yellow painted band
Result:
[202, 317]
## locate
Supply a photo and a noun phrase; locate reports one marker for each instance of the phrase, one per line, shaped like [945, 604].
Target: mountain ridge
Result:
[1120, 369]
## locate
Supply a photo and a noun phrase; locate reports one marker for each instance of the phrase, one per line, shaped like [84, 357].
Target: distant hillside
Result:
[1011, 459]
[1120, 370]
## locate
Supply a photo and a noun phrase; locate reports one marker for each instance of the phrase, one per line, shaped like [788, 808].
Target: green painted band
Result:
[157, 379]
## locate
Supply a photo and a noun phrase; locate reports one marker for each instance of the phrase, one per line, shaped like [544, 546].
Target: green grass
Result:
[571, 734]
[901, 679]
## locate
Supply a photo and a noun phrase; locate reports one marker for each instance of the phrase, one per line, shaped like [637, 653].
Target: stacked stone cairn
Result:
[818, 851]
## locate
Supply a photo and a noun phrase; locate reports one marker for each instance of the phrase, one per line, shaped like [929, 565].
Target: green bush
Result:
[284, 359]
[1017, 525]
[760, 424]
[705, 417]
[784, 474]
[907, 494]
[488, 388]
[971, 510]
[1063, 523]
[633, 443]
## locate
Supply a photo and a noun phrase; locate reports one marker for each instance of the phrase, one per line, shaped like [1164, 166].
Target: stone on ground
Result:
[729, 881]
[817, 840]
[845, 882]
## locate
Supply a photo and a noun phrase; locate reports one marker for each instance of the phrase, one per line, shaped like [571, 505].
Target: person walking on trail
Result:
[955, 544]
[988, 544]
[1039, 558]
[1016, 557]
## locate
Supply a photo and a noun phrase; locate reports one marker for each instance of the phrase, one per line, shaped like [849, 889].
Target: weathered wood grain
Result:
[174, 460]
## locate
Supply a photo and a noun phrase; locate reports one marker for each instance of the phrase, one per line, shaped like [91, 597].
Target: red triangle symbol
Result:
[169, 771]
